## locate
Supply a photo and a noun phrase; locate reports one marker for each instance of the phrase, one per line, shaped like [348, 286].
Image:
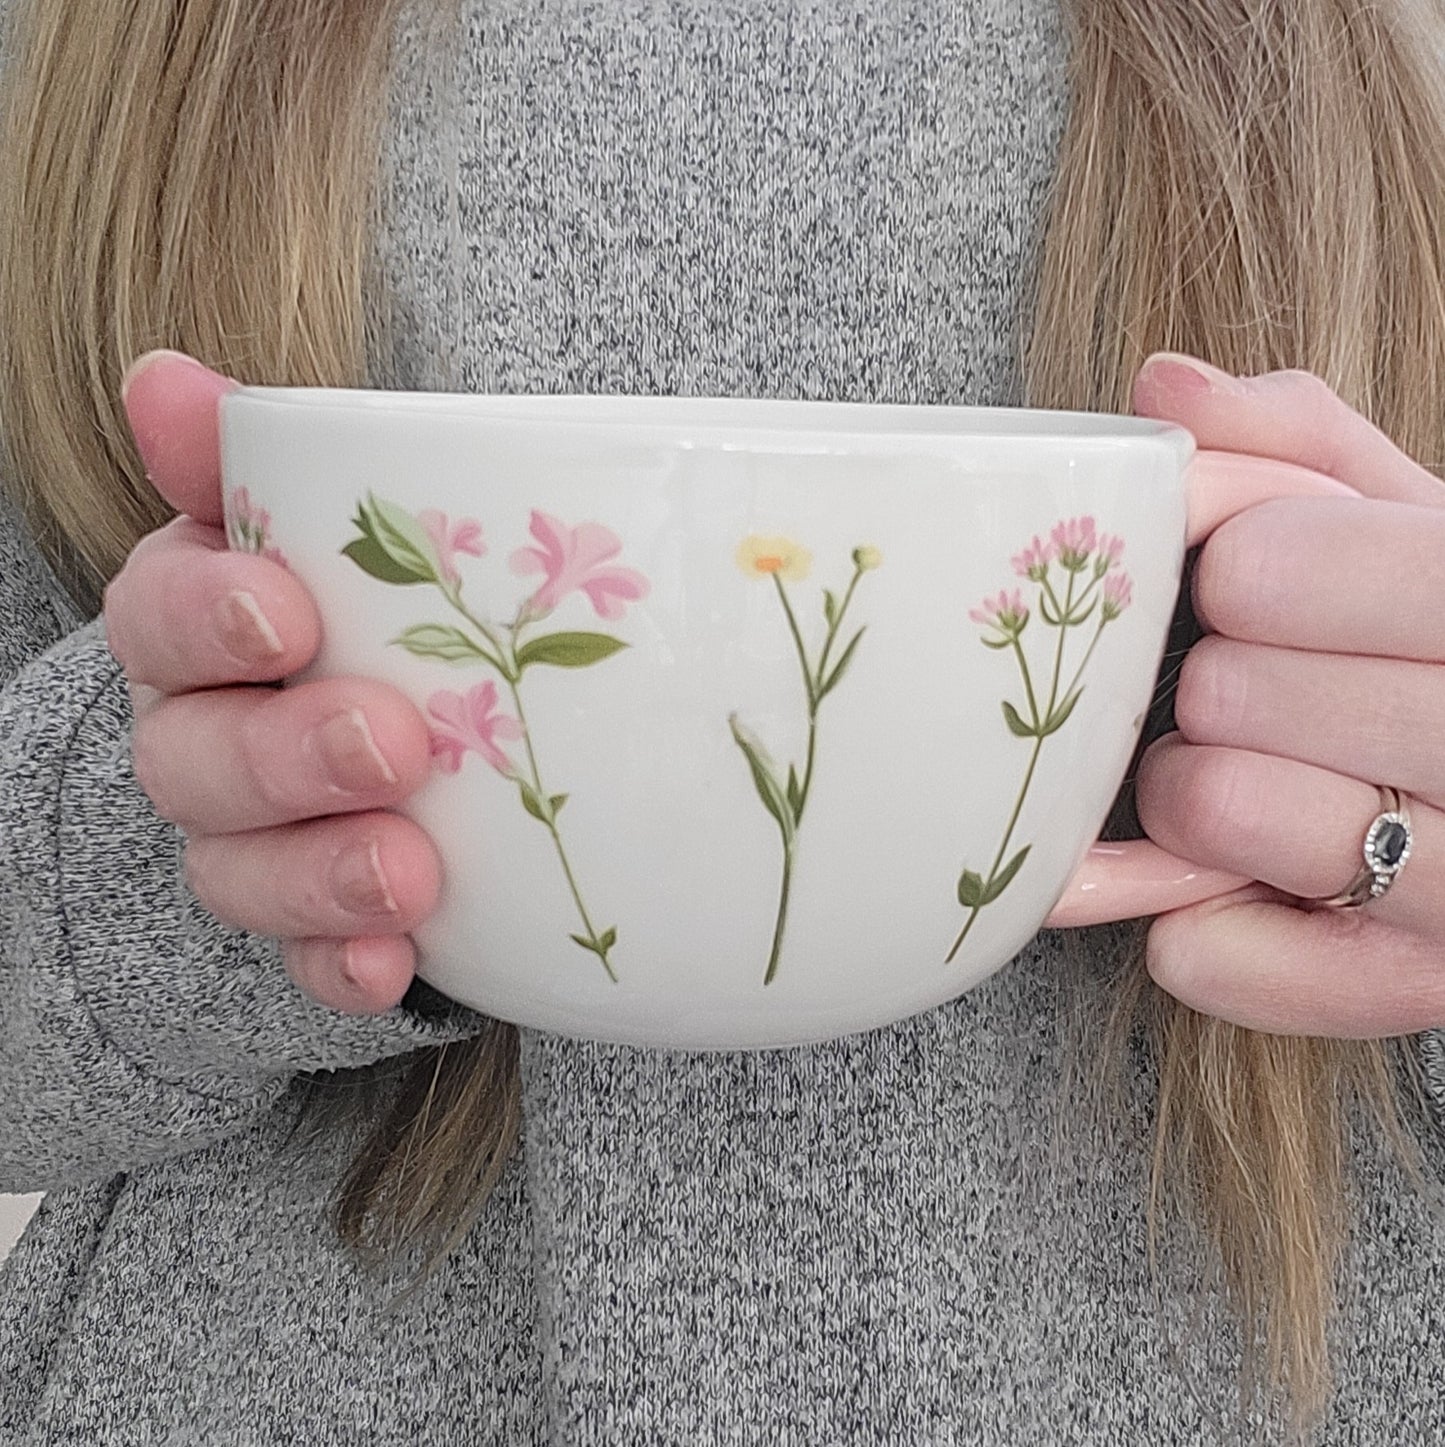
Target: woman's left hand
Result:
[1322, 676]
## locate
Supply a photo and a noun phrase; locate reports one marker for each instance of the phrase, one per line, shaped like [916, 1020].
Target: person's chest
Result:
[820, 200]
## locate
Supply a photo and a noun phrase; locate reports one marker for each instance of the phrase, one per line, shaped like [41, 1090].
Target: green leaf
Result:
[1050, 616]
[1060, 715]
[830, 607]
[970, 890]
[402, 538]
[1016, 725]
[556, 801]
[836, 676]
[370, 557]
[532, 802]
[568, 650]
[1004, 877]
[775, 800]
[795, 790]
[997, 643]
[598, 947]
[1075, 619]
[437, 640]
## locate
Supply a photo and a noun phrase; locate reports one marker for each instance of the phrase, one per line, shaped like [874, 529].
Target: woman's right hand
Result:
[282, 795]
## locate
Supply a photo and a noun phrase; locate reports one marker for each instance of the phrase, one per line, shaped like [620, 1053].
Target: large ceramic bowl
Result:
[753, 722]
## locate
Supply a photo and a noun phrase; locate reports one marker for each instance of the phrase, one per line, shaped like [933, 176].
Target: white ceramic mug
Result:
[754, 723]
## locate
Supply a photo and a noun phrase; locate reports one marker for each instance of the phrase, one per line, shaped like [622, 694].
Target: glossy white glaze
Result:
[916, 770]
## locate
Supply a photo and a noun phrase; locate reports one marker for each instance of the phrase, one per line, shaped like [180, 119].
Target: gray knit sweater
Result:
[905, 1237]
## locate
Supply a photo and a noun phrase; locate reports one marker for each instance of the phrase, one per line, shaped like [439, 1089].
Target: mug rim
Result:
[737, 419]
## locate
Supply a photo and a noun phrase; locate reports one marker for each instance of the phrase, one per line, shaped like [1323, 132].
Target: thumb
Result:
[172, 402]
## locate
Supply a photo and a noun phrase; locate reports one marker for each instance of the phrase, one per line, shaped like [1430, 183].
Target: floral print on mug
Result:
[248, 527]
[1077, 579]
[785, 797]
[397, 547]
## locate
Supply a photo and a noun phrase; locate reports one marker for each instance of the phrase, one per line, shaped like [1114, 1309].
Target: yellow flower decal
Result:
[785, 795]
[760, 557]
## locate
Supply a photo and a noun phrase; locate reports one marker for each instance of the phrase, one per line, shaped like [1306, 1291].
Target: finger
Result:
[172, 402]
[357, 976]
[1292, 416]
[1339, 575]
[369, 874]
[1224, 484]
[239, 759]
[1131, 878]
[1369, 718]
[144, 700]
[1292, 826]
[1270, 966]
[185, 614]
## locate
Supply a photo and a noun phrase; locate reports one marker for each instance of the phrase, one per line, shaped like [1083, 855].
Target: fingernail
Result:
[144, 363]
[344, 958]
[359, 883]
[1188, 376]
[349, 754]
[245, 630]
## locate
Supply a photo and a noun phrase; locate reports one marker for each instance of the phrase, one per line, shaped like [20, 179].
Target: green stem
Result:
[813, 683]
[507, 667]
[1028, 682]
[1059, 652]
[536, 781]
[837, 626]
[1053, 596]
[1002, 849]
[815, 687]
[1084, 596]
[502, 663]
[808, 765]
[1088, 654]
[797, 639]
[782, 921]
[812, 688]
[1033, 763]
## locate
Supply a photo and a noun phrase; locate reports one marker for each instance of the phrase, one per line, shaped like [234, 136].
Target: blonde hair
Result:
[1260, 182]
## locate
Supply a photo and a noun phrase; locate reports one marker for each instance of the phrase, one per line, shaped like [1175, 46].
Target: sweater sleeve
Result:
[133, 1025]
[1432, 1050]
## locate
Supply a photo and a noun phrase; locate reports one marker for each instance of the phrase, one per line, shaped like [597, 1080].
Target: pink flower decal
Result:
[1074, 539]
[1118, 594]
[577, 560]
[248, 513]
[1008, 612]
[451, 538]
[1111, 549]
[248, 528]
[1049, 699]
[405, 548]
[470, 723]
[1033, 562]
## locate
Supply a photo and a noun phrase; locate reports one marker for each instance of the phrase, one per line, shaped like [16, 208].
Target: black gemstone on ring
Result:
[1389, 845]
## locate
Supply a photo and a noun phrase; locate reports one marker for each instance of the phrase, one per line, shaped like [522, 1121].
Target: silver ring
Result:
[1386, 850]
